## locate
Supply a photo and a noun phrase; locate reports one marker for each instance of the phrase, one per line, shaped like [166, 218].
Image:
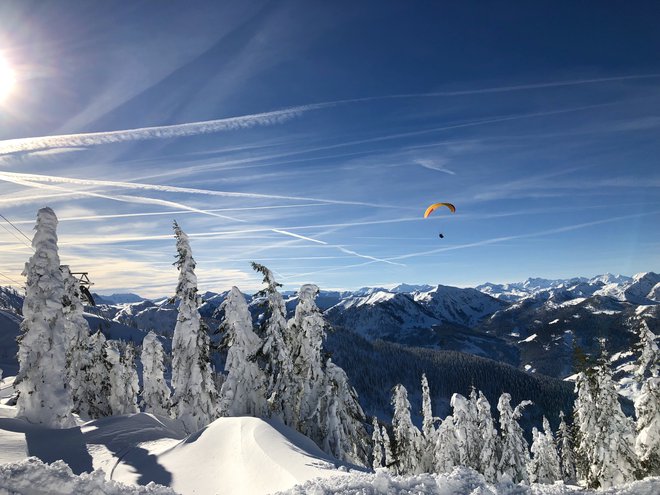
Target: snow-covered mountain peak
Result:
[408, 288]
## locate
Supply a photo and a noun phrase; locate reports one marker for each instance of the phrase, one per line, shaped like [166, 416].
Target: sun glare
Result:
[7, 79]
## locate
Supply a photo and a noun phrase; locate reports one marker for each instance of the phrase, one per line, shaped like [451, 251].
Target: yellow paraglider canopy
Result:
[435, 206]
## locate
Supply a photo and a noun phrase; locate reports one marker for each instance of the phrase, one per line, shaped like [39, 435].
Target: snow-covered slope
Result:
[459, 306]
[230, 456]
[642, 289]
[384, 315]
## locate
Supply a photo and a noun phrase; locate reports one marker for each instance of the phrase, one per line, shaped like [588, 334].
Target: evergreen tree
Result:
[647, 403]
[514, 455]
[123, 379]
[155, 392]
[95, 383]
[274, 355]
[341, 418]
[77, 333]
[544, 464]
[44, 395]
[428, 429]
[387, 447]
[447, 454]
[407, 437]
[243, 391]
[194, 400]
[565, 443]
[378, 447]
[487, 435]
[306, 331]
[605, 441]
[466, 430]
[647, 444]
[648, 364]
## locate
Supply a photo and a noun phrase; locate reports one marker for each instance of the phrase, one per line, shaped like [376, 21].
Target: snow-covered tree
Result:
[243, 391]
[387, 447]
[565, 447]
[605, 436]
[466, 430]
[378, 452]
[428, 429]
[647, 402]
[514, 455]
[647, 444]
[123, 379]
[341, 418]
[544, 465]
[155, 392]
[77, 331]
[94, 389]
[487, 435]
[194, 400]
[44, 395]
[274, 355]
[446, 447]
[306, 331]
[648, 363]
[407, 438]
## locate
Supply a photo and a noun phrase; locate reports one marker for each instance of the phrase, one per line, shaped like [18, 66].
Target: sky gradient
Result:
[311, 137]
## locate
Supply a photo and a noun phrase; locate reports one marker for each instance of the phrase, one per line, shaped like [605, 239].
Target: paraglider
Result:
[435, 206]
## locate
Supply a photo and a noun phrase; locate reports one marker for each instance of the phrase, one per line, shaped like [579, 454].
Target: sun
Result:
[7, 79]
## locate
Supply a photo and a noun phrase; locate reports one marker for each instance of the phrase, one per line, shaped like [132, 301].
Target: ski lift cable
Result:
[14, 235]
[11, 279]
[19, 230]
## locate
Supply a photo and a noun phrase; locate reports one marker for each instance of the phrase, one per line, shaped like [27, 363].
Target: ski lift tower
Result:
[85, 284]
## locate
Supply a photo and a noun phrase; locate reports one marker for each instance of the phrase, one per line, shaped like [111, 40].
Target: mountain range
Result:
[518, 337]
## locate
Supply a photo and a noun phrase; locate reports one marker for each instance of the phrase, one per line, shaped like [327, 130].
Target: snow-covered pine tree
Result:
[407, 438]
[306, 331]
[155, 392]
[647, 444]
[243, 392]
[428, 429]
[464, 412]
[605, 439]
[123, 379]
[647, 403]
[487, 434]
[446, 455]
[565, 447]
[514, 455]
[341, 418]
[44, 395]
[378, 452]
[194, 401]
[274, 355]
[77, 334]
[544, 464]
[95, 382]
[648, 364]
[387, 447]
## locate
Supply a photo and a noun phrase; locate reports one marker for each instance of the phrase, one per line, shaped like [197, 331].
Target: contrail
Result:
[19, 179]
[501, 89]
[541, 233]
[158, 213]
[23, 145]
[31, 144]
[10, 176]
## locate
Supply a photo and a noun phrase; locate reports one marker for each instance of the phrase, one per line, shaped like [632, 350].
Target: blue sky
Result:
[311, 136]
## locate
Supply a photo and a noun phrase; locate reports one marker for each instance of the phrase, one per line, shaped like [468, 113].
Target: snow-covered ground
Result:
[145, 454]
[230, 456]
